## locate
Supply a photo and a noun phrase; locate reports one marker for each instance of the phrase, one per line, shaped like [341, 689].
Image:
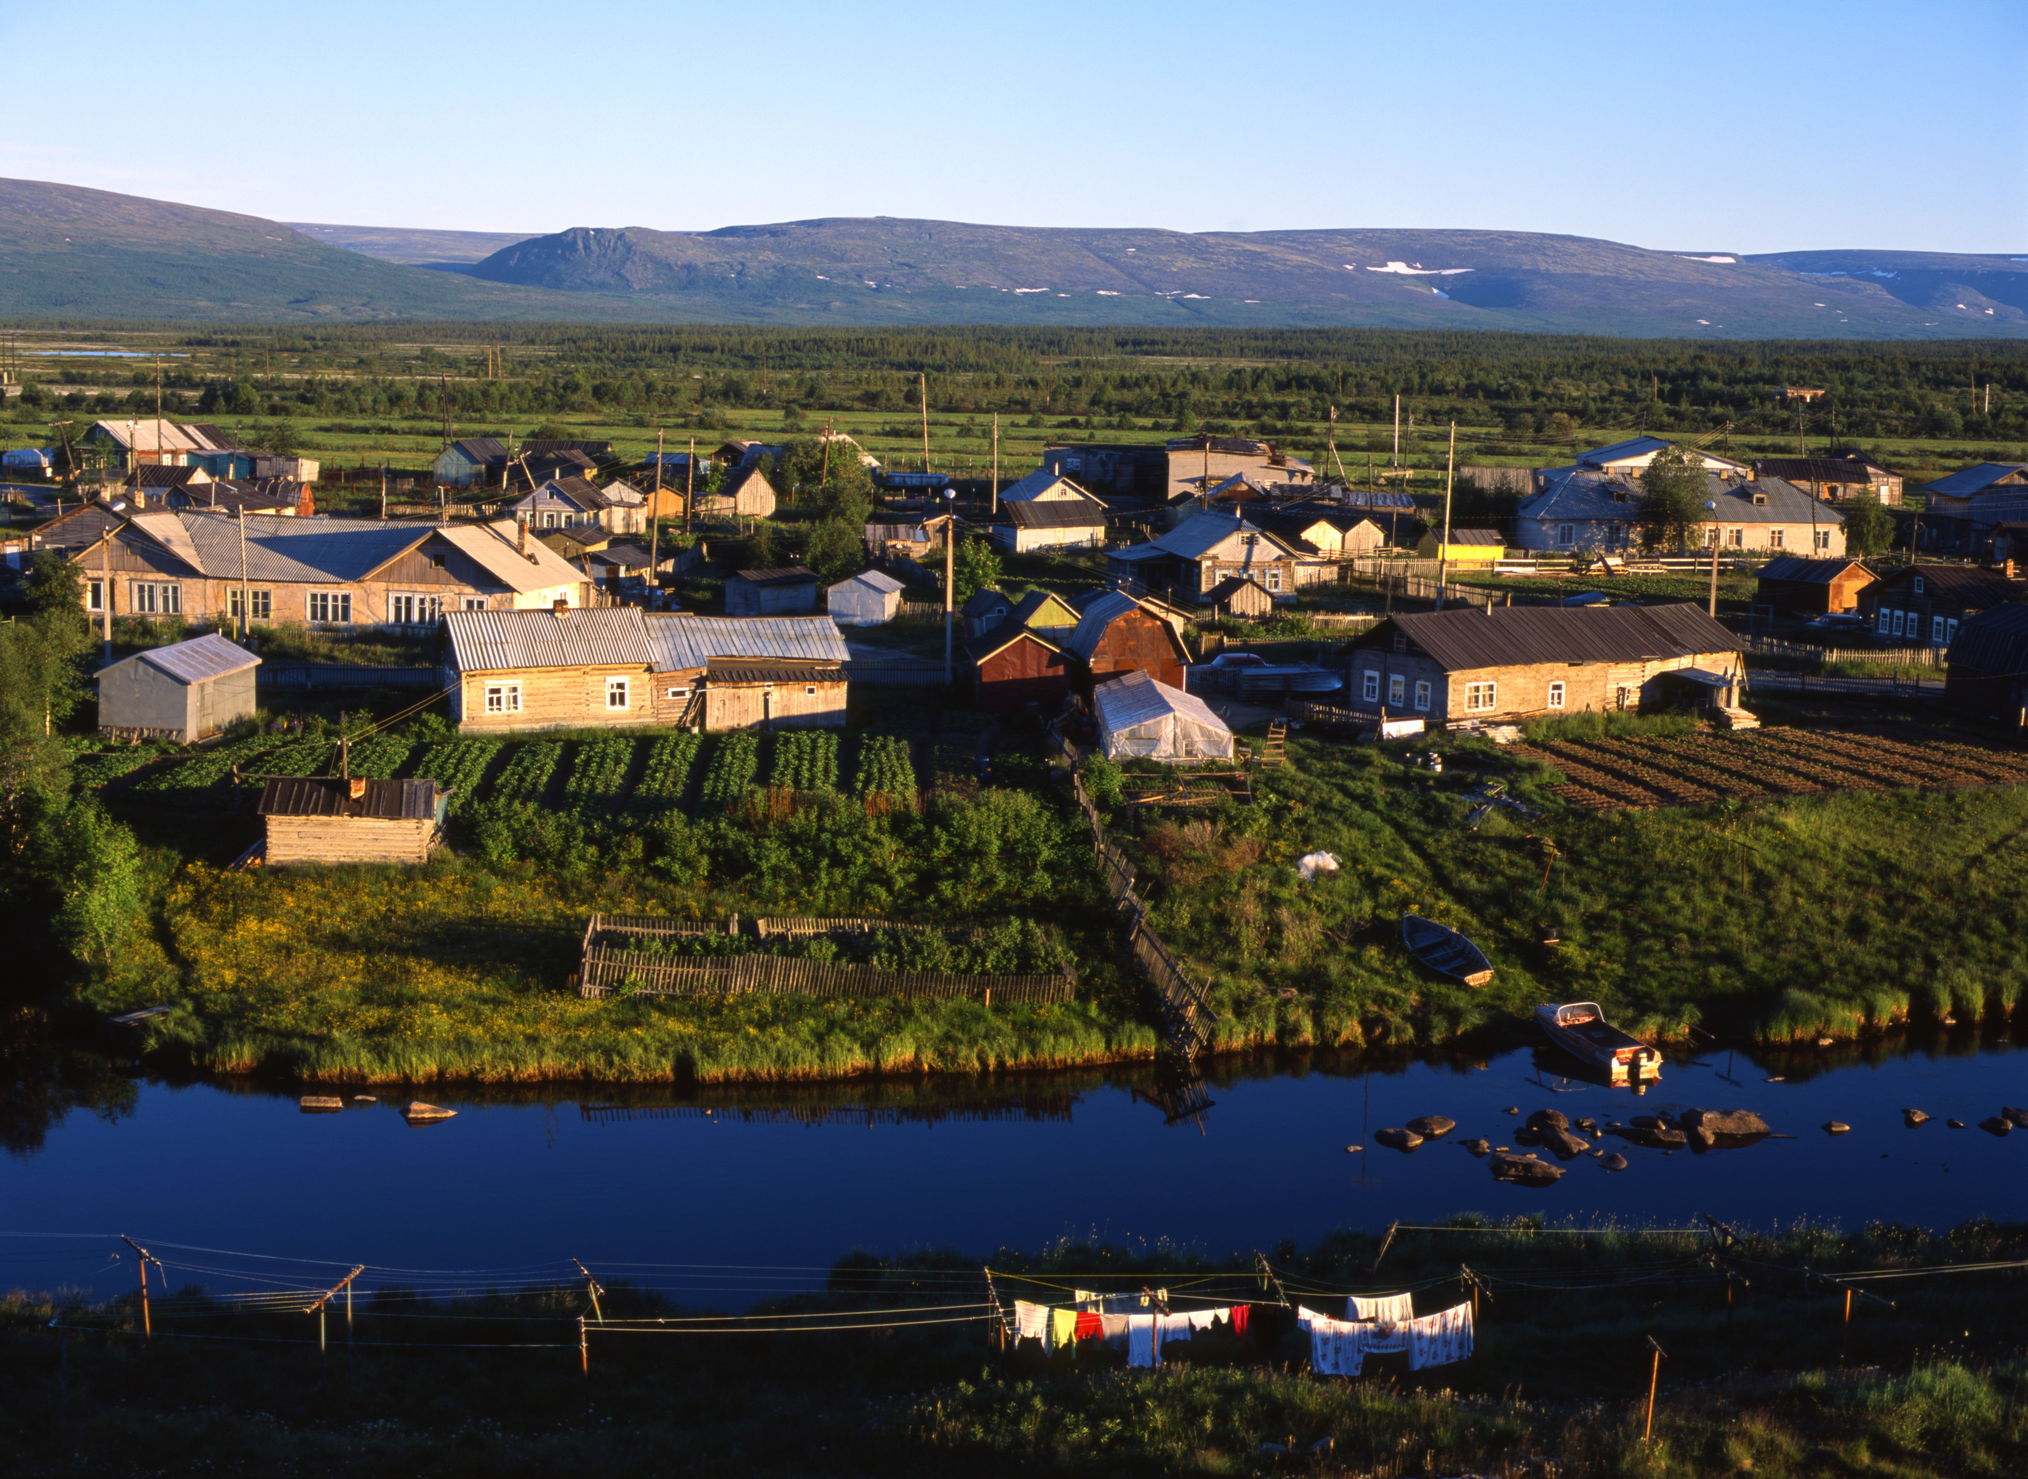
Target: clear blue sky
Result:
[1742, 125]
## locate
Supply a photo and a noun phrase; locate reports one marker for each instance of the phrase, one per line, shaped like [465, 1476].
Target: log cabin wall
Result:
[349, 840]
[774, 706]
[563, 698]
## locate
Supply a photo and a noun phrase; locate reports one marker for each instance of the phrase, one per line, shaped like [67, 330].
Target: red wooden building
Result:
[1014, 665]
[1117, 634]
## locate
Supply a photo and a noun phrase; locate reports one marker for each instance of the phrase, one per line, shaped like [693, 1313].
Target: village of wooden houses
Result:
[1095, 733]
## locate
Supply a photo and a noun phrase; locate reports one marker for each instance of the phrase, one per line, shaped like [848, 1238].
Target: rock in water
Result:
[1548, 1119]
[1432, 1126]
[320, 1104]
[1525, 1170]
[1913, 1117]
[1651, 1121]
[1955, 1124]
[1354, 1149]
[1587, 1126]
[1614, 1162]
[419, 1113]
[1701, 1139]
[1479, 1148]
[1727, 1122]
[1396, 1138]
[1658, 1137]
[1527, 1135]
[1564, 1144]
[2018, 1116]
[1836, 1127]
[1997, 1125]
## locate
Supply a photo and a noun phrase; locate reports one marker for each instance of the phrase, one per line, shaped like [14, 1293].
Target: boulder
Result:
[1614, 1162]
[1955, 1124]
[1727, 1122]
[1913, 1117]
[1527, 1135]
[1587, 1126]
[1432, 1126]
[1997, 1125]
[1548, 1119]
[1563, 1144]
[1655, 1137]
[320, 1104]
[1354, 1149]
[1511, 1109]
[1701, 1139]
[1651, 1121]
[1396, 1138]
[1525, 1170]
[1836, 1127]
[2018, 1116]
[1479, 1148]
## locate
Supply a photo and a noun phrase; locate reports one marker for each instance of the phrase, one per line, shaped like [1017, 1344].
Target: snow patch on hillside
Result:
[1714, 257]
[1412, 269]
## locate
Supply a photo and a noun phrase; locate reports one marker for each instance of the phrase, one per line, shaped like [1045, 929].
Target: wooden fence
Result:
[784, 925]
[344, 675]
[1911, 657]
[607, 971]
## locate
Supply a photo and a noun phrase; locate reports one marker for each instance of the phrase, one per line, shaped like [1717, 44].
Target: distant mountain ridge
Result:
[72, 252]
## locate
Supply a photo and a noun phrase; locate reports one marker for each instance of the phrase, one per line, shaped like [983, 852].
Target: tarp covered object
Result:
[1141, 719]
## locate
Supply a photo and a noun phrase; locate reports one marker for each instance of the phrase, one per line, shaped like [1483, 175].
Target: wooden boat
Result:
[1580, 1029]
[1445, 951]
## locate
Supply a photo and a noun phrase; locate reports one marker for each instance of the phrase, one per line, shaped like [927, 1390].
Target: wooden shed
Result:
[1014, 665]
[333, 819]
[1466, 547]
[773, 693]
[787, 591]
[1812, 587]
[1240, 595]
[187, 691]
[1118, 634]
[870, 598]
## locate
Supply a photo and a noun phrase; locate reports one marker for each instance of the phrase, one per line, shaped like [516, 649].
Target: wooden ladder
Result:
[1274, 749]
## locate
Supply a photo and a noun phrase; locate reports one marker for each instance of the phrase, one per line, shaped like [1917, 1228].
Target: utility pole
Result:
[592, 1286]
[245, 594]
[383, 492]
[690, 488]
[996, 465]
[106, 595]
[950, 568]
[1444, 549]
[655, 526]
[343, 1286]
[1395, 460]
[922, 381]
[143, 1258]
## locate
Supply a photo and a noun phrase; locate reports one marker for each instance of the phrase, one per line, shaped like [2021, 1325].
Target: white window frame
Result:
[503, 698]
[1936, 631]
[1775, 538]
[1736, 537]
[673, 694]
[1566, 535]
[809, 690]
[1422, 695]
[1900, 624]
[1557, 693]
[1397, 689]
[1273, 577]
[1950, 631]
[1482, 698]
[1883, 620]
[335, 606]
[1369, 686]
[260, 603]
[1916, 585]
[414, 608]
[623, 690]
[95, 595]
[1823, 539]
[475, 603]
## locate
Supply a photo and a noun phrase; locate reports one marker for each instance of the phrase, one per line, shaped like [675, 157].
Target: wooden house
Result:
[1812, 587]
[285, 497]
[985, 609]
[333, 819]
[1196, 555]
[907, 539]
[324, 572]
[187, 692]
[131, 443]
[1013, 665]
[1986, 673]
[870, 598]
[1510, 663]
[747, 494]
[470, 462]
[1045, 611]
[1199, 463]
[1583, 508]
[1241, 596]
[1315, 527]
[1926, 604]
[620, 667]
[1049, 524]
[1117, 634]
[1046, 485]
[1836, 478]
[1467, 547]
[575, 503]
[788, 590]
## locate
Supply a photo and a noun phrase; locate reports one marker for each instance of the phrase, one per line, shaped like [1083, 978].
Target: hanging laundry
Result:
[1205, 1319]
[1242, 1314]
[1441, 1338]
[1141, 1340]
[1337, 1347]
[1089, 1326]
[1062, 1326]
[1381, 1307]
[1174, 1327]
[1031, 1321]
[1114, 1329]
[1084, 1296]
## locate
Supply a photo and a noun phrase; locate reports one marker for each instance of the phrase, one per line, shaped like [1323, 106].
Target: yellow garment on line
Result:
[1062, 1326]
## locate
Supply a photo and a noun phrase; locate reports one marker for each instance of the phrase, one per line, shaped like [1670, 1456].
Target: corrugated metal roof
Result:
[1136, 698]
[1517, 636]
[328, 796]
[878, 580]
[1994, 642]
[210, 656]
[496, 547]
[771, 670]
[1043, 484]
[680, 641]
[1196, 537]
[1056, 514]
[1813, 469]
[1976, 479]
[1620, 451]
[1810, 572]
[481, 451]
[1478, 537]
[782, 575]
[1004, 632]
[1583, 496]
[600, 636]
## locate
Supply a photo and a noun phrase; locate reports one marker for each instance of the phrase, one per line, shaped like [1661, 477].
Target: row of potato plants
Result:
[380, 757]
[528, 772]
[665, 774]
[204, 771]
[730, 775]
[885, 768]
[598, 775]
[805, 760]
[458, 765]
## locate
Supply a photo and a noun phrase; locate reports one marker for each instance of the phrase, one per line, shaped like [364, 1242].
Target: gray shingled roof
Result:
[1517, 636]
[1810, 572]
[1580, 495]
[1059, 513]
[1994, 642]
[1976, 479]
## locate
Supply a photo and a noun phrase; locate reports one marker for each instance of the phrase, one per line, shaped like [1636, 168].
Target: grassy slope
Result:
[1792, 919]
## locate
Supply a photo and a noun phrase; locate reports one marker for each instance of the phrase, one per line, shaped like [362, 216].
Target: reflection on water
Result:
[41, 1081]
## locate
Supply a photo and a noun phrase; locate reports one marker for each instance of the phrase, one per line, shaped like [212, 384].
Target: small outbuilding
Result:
[1014, 665]
[869, 599]
[1142, 719]
[1466, 547]
[1986, 672]
[1812, 587]
[336, 819]
[1240, 595]
[788, 591]
[187, 691]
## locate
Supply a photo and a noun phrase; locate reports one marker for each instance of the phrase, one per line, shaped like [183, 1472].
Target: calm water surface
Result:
[799, 1179]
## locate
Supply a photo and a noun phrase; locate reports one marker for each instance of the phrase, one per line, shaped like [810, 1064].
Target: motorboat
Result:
[1580, 1029]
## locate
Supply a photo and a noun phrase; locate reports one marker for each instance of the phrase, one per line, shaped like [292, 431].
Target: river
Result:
[794, 1180]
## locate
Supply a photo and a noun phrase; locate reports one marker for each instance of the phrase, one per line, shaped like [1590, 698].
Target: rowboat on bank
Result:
[1445, 951]
[1580, 1029]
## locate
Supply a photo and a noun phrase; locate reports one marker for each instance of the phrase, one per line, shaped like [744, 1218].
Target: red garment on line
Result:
[1089, 1326]
[1241, 1313]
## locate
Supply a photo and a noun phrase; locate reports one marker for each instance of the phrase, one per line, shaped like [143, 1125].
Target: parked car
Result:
[1839, 621]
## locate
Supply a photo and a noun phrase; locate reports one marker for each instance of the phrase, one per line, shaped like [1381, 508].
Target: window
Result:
[260, 604]
[1823, 539]
[809, 690]
[672, 694]
[414, 608]
[1273, 577]
[1898, 625]
[1711, 536]
[549, 519]
[503, 698]
[1951, 630]
[475, 603]
[1936, 630]
[1370, 686]
[1736, 538]
[1566, 535]
[332, 606]
[1882, 620]
[1776, 538]
[1397, 689]
[1422, 694]
[1479, 697]
[1556, 691]
[616, 693]
[157, 598]
[1916, 585]
[1400, 643]
[95, 595]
